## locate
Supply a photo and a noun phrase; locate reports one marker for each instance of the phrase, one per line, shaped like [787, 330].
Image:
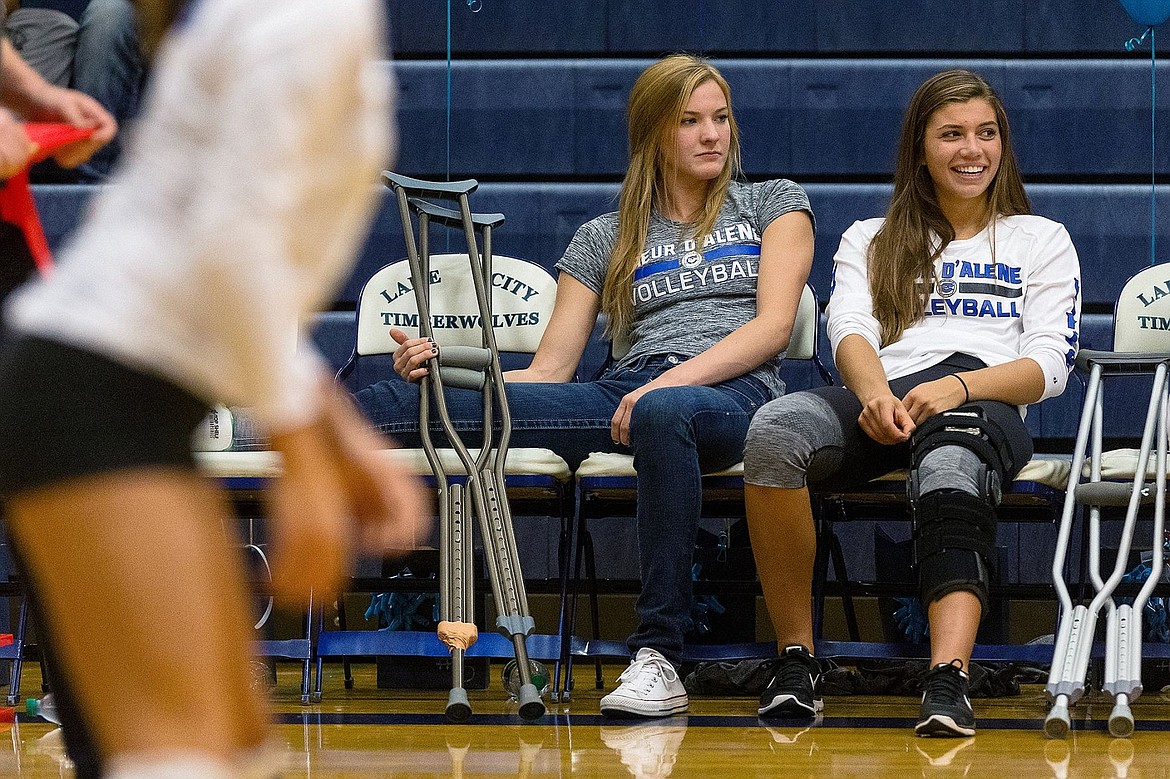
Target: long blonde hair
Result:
[916, 231]
[655, 108]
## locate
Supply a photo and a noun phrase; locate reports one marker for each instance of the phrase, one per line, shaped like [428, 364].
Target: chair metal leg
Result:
[565, 545]
[341, 625]
[594, 603]
[838, 557]
[318, 659]
[307, 663]
[582, 533]
[18, 648]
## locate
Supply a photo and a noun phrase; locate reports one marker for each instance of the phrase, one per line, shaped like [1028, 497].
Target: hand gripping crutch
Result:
[1123, 628]
[476, 368]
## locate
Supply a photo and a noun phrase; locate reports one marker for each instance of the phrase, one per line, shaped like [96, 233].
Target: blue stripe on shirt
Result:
[738, 250]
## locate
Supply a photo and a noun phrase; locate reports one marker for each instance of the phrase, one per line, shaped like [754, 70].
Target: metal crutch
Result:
[1123, 634]
[476, 368]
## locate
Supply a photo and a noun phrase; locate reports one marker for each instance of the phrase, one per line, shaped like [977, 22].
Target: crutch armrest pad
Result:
[452, 218]
[1144, 361]
[447, 189]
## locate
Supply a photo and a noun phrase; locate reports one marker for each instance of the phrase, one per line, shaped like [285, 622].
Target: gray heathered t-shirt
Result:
[688, 297]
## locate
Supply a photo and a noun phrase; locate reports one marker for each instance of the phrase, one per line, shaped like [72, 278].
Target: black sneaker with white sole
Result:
[792, 692]
[946, 708]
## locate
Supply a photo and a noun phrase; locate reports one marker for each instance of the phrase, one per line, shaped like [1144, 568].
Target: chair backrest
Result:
[1141, 320]
[802, 345]
[522, 300]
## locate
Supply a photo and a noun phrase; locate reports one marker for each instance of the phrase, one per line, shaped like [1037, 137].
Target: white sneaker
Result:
[647, 750]
[649, 687]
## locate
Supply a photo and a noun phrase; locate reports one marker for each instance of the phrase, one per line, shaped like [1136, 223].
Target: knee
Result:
[389, 404]
[778, 449]
[953, 468]
[659, 412]
[111, 20]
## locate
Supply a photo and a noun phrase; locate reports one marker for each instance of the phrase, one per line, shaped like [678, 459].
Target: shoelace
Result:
[654, 667]
[794, 671]
[945, 684]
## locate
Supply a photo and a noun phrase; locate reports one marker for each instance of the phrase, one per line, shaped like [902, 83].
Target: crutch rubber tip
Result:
[458, 708]
[1056, 724]
[1121, 721]
[531, 706]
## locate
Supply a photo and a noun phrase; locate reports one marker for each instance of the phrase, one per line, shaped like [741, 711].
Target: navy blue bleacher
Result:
[551, 119]
[808, 27]
[1109, 224]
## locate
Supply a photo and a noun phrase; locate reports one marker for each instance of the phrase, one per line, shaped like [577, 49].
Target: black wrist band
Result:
[966, 392]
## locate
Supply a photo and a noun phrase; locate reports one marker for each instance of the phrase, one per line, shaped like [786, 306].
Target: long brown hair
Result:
[916, 231]
[655, 108]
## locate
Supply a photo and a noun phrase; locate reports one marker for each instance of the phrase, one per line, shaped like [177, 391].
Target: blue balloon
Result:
[1148, 12]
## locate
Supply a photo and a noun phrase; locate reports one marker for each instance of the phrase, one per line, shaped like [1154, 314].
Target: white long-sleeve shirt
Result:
[244, 192]
[1020, 298]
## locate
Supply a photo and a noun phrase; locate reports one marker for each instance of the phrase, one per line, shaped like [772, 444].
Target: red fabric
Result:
[16, 200]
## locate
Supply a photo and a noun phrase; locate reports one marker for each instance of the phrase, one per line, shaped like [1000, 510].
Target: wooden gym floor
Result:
[367, 732]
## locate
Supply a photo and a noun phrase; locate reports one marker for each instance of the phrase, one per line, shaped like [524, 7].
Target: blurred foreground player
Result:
[239, 205]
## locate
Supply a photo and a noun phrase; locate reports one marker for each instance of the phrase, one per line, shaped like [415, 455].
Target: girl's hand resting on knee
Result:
[885, 420]
[934, 397]
[412, 355]
[340, 492]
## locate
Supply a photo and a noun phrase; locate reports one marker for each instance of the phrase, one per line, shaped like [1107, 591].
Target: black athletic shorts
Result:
[67, 412]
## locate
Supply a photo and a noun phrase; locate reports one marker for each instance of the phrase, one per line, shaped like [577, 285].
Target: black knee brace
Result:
[954, 545]
[970, 429]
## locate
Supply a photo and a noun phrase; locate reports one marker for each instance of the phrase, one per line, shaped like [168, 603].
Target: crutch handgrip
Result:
[471, 357]
[1110, 493]
[464, 379]
[465, 366]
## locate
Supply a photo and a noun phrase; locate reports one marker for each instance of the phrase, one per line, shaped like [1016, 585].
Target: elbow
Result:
[1054, 373]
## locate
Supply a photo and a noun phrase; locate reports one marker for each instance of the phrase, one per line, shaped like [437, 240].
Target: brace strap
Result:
[954, 520]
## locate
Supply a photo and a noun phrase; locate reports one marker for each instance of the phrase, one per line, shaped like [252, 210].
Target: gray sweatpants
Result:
[813, 438]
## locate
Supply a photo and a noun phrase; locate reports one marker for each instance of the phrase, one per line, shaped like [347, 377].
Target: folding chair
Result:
[461, 292]
[244, 476]
[1141, 346]
[607, 482]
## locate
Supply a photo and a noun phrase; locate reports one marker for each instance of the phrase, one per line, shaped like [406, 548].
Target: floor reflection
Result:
[367, 732]
[648, 749]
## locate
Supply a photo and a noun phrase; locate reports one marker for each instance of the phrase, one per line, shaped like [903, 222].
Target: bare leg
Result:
[784, 543]
[148, 611]
[954, 621]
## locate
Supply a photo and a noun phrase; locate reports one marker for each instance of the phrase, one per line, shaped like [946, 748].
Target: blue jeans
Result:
[108, 66]
[676, 434]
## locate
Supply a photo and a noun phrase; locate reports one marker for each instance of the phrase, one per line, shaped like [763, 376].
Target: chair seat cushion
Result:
[615, 464]
[1053, 470]
[1049, 470]
[266, 464]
